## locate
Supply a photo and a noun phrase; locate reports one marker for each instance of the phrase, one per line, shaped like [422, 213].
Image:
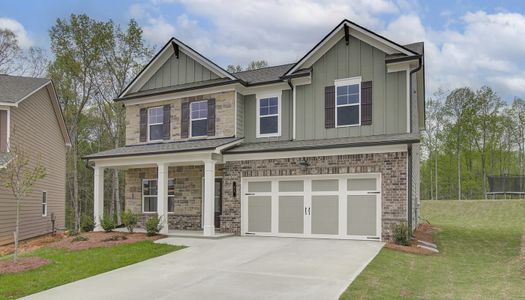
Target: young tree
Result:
[253, 65]
[9, 51]
[234, 68]
[19, 176]
[458, 108]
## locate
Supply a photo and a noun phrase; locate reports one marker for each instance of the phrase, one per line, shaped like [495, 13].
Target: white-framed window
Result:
[199, 118]
[155, 123]
[150, 193]
[44, 204]
[348, 102]
[268, 115]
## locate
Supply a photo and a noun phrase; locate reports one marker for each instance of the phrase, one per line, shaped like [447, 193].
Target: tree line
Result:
[470, 135]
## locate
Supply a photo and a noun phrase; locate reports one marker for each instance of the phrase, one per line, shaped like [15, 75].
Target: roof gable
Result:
[174, 54]
[331, 39]
[14, 89]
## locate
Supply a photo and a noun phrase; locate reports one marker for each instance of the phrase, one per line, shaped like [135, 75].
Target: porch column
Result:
[98, 197]
[162, 196]
[209, 198]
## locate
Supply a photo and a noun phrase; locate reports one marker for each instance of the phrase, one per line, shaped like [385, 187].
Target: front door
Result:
[218, 202]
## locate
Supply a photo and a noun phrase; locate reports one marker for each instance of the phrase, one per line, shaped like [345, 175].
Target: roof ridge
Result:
[268, 67]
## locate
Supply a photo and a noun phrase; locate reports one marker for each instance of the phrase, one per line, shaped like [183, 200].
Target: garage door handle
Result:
[309, 211]
[305, 213]
[373, 192]
[249, 194]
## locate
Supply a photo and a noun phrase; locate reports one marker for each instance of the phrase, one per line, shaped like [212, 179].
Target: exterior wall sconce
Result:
[234, 188]
[303, 164]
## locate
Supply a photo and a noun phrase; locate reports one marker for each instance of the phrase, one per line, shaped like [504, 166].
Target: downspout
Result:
[291, 128]
[409, 163]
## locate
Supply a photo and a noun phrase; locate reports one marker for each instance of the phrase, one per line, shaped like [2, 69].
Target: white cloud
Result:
[24, 41]
[480, 49]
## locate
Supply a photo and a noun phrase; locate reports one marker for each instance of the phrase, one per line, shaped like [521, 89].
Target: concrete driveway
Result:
[232, 268]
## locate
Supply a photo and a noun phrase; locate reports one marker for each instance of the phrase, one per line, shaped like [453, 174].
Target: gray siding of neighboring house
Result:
[34, 127]
[179, 71]
[240, 115]
[250, 118]
[416, 189]
[389, 110]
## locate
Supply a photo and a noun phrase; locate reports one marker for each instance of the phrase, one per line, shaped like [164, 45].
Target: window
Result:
[348, 102]
[199, 118]
[150, 192]
[155, 123]
[44, 204]
[269, 116]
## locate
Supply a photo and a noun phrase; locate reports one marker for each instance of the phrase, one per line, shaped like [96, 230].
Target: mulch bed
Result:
[101, 239]
[424, 232]
[31, 244]
[22, 264]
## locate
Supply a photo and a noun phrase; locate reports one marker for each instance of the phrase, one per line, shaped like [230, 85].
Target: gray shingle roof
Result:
[15, 88]
[163, 147]
[268, 74]
[326, 143]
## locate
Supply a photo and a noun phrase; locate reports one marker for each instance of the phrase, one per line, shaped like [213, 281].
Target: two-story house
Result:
[31, 121]
[326, 147]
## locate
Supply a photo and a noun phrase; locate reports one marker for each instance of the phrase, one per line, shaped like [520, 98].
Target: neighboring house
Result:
[31, 120]
[327, 146]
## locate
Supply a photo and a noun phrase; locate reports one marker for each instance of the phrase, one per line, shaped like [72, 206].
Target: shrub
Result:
[402, 234]
[87, 223]
[129, 219]
[153, 225]
[107, 223]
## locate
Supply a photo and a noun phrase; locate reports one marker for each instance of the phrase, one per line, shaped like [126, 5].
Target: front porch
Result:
[184, 190]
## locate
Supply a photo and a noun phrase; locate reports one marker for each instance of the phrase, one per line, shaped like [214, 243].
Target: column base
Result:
[98, 229]
[208, 230]
[164, 230]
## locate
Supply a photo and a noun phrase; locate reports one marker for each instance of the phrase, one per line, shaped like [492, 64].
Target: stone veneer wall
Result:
[392, 166]
[224, 116]
[188, 194]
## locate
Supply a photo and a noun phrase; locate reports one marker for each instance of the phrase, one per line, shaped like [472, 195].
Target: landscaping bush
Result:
[153, 225]
[87, 223]
[129, 219]
[107, 223]
[402, 234]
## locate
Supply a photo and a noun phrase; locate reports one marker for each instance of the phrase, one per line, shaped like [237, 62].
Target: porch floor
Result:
[184, 233]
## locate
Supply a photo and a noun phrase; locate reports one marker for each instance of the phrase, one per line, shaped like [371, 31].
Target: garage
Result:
[326, 206]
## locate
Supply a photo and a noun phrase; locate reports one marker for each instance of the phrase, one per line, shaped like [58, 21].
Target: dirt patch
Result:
[31, 244]
[101, 239]
[22, 264]
[424, 232]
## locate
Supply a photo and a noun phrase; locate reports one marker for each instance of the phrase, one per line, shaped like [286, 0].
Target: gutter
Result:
[292, 107]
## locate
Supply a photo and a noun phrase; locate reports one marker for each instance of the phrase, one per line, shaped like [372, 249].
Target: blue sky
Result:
[467, 42]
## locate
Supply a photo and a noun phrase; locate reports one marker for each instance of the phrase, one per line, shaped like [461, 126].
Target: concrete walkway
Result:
[232, 268]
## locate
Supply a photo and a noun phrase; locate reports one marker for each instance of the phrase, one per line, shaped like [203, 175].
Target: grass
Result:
[480, 257]
[69, 266]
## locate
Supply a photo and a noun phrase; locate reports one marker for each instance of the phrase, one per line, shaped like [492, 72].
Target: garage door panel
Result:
[260, 214]
[291, 186]
[291, 214]
[361, 215]
[325, 214]
[260, 187]
[362, 184]
[325, 185]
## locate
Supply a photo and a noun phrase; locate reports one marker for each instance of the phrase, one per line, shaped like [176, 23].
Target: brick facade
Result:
[392, 166]
[188, 186]
[224, 116]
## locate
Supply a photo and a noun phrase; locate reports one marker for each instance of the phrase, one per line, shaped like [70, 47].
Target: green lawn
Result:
[70, 266]
[479, 259]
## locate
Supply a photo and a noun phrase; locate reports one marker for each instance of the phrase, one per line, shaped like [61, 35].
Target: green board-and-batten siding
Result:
[250, 119]
[389, 113]
[179, 71]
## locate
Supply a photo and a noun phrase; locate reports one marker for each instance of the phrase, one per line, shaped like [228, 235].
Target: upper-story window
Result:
[348, 102]
[44, 204]
[155, 123]
[269, 115]
[199, 118]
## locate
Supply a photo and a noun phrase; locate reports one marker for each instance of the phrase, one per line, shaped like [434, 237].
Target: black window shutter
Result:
[166, 124]
[143, 125]
[185, 119]
[211, 117]
[329, 107]
[366, 103]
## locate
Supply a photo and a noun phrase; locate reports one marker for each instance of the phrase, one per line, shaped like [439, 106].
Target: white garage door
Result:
[342, 206]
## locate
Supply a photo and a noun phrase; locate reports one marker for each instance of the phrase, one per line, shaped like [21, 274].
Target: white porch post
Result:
[162, 196]
[209, 198]
[98, 197]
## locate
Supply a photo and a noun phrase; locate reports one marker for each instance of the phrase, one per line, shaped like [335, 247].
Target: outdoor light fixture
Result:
[303, 164]
[234, 187]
